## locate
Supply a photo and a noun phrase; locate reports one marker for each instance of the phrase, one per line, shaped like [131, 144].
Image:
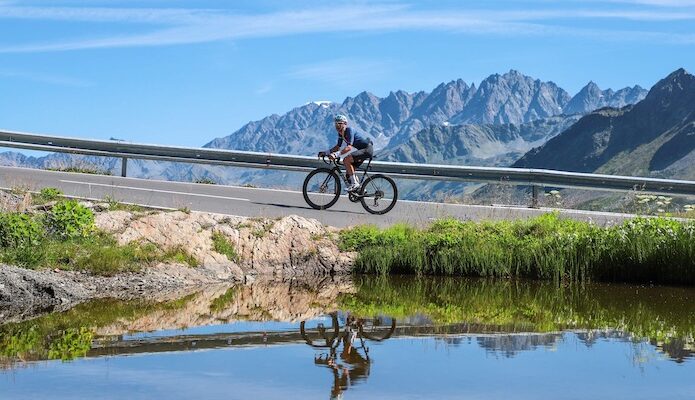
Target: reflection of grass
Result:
[222, 302]
[547, 247]
[664, 315]
[69, 334]
[71, 344]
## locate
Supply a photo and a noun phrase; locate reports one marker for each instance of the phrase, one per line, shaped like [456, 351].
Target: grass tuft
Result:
[222, 245]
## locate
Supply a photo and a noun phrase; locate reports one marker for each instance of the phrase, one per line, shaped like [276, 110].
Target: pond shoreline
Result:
[141, 253]
[289, 247]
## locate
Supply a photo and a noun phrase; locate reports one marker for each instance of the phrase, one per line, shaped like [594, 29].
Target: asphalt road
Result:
[255, 202]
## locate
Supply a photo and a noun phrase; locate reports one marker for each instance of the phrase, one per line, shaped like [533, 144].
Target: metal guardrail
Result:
[517, 176]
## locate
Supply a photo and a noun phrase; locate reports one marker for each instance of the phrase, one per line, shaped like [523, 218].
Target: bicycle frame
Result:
[343, 174]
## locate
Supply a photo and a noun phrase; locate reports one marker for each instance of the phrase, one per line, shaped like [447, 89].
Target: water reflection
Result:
[351, 365]
[503, 317]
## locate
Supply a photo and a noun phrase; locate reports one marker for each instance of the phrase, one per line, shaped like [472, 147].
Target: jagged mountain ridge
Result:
[591, 98]
[511, 98]
[392, 122]
[655, 137]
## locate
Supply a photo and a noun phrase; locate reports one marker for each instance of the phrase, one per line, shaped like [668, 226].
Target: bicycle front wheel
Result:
[378, 194]
[321, 188]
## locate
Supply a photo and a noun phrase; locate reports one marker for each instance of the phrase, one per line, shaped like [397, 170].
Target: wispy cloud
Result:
[44, 78]
[343, 72]
[658, 3]
[265, 88]
[182, 26]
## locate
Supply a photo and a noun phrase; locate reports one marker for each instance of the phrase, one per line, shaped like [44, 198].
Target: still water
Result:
[363, 338]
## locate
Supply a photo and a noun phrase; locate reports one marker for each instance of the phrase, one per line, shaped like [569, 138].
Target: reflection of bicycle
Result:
[376, 329]
[378, 193]
[349, 367]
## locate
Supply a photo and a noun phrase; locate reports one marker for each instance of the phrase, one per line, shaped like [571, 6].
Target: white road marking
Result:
[155, 190]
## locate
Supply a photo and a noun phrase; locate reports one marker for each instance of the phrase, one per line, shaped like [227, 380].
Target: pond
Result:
[363, 337]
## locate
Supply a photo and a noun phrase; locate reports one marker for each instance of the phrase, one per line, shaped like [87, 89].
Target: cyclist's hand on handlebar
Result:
[322, 154]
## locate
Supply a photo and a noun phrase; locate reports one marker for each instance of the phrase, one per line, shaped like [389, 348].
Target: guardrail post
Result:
[124, 166]
[534, 196]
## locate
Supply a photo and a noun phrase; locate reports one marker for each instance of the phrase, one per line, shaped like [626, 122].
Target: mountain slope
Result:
[655, 137]
[486, 145]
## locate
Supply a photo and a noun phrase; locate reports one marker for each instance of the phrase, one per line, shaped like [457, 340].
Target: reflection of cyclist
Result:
[359, 365]
[352, 367]
[357, 149]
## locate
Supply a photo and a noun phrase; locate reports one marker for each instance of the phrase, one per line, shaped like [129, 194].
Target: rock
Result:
[9, 201]
[278, 248]
[113, 221]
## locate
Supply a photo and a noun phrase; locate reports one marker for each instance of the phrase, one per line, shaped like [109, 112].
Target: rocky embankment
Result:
[289, 247]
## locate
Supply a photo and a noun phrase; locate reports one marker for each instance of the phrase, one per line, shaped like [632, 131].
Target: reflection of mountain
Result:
[510, 345]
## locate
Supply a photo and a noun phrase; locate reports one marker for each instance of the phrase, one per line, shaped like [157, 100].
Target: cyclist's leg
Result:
[350, 172]
[349, 167]
[359, 156]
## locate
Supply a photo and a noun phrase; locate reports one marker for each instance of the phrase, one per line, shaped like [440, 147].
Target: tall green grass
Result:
[655, 250]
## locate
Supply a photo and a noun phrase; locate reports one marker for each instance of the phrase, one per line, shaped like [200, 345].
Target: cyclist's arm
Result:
[346, 149]
[349, 139]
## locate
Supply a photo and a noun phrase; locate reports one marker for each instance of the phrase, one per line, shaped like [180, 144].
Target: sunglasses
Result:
[340, 123]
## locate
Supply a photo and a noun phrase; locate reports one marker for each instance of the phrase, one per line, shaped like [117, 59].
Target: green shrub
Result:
[222, 245]
[180, 256]
[19, 231]
[70, 219]
[47, 194]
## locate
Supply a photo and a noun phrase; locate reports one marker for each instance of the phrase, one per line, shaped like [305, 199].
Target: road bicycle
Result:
[322, 187]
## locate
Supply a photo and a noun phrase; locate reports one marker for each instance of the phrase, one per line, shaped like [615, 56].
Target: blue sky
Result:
[185, 72]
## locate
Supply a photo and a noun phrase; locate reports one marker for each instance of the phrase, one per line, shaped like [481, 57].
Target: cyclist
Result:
[357, 149]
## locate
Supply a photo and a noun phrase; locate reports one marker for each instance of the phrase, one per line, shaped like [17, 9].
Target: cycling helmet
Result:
[340, 118]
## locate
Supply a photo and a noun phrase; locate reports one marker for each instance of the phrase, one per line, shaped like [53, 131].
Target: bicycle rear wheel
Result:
[321, 188]
[377, 328]
[378, 194]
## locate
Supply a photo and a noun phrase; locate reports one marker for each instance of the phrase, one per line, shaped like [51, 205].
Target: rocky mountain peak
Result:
[512, 98]
[591, 97]
[677, 81]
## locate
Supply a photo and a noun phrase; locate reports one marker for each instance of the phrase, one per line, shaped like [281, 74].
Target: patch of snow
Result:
[321, 103]
[445, 123]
